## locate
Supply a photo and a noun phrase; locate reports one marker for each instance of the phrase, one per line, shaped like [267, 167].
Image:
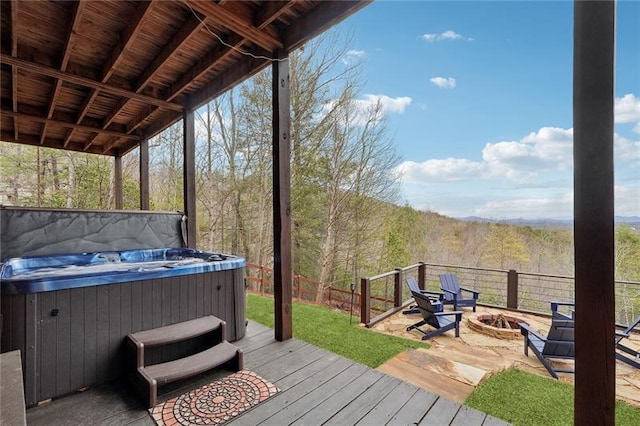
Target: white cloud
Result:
[356, 53]
[448, 170]
[444, 82]
[627, 200]
[627, 110]
[380, 105]
[527, 178]
[528, 208]
[388, 104]
[353, 56]
[626, 150]
[549, 148]
[446, 35]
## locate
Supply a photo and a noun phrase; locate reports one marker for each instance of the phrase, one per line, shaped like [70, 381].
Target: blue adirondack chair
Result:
[435, 297]
[431, 312]
[453, 293]
[623, 352]
[559, 343]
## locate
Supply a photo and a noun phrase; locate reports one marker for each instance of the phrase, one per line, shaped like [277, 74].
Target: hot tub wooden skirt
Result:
[75, 338]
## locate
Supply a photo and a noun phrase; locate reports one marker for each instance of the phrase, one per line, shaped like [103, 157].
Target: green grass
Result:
[331, 330]
[527, 399]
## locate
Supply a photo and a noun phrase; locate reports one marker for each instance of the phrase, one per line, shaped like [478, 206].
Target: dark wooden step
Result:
[178, 332]
[183, 368]
[148, 378]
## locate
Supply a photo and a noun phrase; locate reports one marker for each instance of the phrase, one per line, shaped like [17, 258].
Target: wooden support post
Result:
[189, 176]
[512, 289]
[422, 275]
[281, 198]
[144, 175]
[397, 287]
[117, 184]
[365, 300]
[593, 96]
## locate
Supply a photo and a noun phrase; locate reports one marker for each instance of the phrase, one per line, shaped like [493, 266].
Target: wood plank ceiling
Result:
[101, 76]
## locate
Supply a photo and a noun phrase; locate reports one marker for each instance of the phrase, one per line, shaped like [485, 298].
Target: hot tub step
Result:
[149, 377]
[183, 368]
[179, 332]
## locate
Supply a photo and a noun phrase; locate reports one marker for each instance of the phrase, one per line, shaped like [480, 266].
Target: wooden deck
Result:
[316, 387]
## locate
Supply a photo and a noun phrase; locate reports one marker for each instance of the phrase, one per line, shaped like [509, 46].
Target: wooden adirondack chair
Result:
[440, 321]
[557, 344]
[453, 292]
[625, 353]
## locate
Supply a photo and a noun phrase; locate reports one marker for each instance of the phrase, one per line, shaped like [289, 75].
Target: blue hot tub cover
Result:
[47, 273]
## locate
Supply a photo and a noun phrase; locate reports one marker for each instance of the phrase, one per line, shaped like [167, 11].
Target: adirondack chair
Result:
[435, 297]
[440, 321]
[557, 344]
[453, 292]
[555, 310]
[623, 351]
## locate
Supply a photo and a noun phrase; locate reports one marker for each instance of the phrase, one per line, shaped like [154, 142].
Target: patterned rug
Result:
[215, 403]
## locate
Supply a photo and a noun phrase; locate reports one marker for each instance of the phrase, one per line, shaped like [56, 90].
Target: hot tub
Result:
[69, 314]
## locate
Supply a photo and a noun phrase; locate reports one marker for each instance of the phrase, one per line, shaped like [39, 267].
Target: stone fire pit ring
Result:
[482, 324]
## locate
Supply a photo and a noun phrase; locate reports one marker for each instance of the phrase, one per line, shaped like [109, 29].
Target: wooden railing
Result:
[522, 291]
[260, 280]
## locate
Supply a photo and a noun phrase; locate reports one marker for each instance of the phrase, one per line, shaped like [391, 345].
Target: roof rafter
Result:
[318, 19]
[128, 35]
[38, 119]
[268, 12]
[66, 53]
[14, 69]
[87, 82]
[221, 16]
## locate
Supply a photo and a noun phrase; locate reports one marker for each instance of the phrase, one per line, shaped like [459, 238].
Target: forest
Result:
[348, 220]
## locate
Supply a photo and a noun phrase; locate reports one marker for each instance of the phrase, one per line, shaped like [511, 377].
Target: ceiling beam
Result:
[270, 11]
[239, 72]
[14, 70]
[66, 53]
[50, 143]
[192, 25]
[320, 18]
[221, 16]
[37, 119]
[128, 36]
[87, 82]
[264, 16]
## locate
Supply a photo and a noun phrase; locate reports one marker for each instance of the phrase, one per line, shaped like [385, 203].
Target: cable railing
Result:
[521, 291]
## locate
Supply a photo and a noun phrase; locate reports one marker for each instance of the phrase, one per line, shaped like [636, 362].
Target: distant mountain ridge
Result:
[546, 223]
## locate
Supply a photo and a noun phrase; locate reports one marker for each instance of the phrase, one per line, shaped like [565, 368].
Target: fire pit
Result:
[499, 326]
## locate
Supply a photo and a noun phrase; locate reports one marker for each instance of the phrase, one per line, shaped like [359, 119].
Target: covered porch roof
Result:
[101, 76]
[104, 76]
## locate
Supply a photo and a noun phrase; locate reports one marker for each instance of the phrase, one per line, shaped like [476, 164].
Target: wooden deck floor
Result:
[316, 387]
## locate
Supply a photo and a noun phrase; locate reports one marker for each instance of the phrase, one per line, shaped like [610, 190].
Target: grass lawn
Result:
[331, 330]
[522, 398]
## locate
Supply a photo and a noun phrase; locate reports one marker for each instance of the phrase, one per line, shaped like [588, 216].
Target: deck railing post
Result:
[365, 300]
[422, 275]
[512, 289]
[397, 288]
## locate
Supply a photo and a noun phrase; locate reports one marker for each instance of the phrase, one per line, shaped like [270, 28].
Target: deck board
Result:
[316, 387]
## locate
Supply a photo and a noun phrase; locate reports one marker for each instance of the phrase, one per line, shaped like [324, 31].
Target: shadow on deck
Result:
[316, 387]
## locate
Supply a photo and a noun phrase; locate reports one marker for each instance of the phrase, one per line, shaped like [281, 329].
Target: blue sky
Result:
[479, 102]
